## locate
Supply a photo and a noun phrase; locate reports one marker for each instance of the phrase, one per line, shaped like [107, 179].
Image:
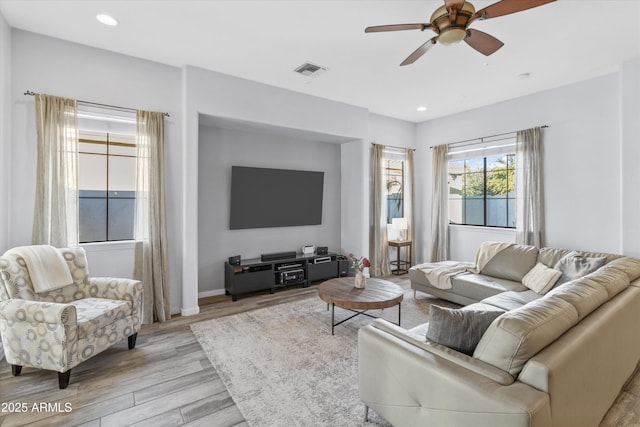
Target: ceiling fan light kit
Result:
[451, 23]
[452, 36]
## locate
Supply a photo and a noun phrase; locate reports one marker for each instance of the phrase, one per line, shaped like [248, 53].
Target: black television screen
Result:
[262, 197]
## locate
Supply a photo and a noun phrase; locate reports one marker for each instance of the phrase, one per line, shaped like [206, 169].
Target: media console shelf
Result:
[254, 275]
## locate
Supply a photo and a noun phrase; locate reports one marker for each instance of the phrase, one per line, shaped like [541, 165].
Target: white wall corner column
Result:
[630, 157]
[189, 202]
[354, 235]
[5, 135]
[5, 131]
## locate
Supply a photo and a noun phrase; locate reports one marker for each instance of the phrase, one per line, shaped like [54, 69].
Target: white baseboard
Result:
[213, 293]
[190, 311]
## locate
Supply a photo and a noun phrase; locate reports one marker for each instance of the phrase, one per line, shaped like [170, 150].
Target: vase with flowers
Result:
[360, 264]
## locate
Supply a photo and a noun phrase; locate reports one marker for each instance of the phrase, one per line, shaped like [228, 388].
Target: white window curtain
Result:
[439, 247]
[150, 225]
[408, 200]
[55, 220]
[379, 256]
[529, 188]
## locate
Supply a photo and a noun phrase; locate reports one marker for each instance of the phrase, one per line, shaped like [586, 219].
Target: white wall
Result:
[354, 217]
[582, 161]
[56, 67]
[5, 133]
[5, 128]
[390, 131]
[630, 124]
[221, 148]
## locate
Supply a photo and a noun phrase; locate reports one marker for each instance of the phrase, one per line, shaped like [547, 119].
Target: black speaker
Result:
[343, 268]
[322, 250]
[234, 260]
[278, 255]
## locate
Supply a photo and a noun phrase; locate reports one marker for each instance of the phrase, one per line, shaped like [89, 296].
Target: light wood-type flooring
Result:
[167, 379]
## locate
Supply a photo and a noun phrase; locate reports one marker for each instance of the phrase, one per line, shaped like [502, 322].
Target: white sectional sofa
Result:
[558, 359]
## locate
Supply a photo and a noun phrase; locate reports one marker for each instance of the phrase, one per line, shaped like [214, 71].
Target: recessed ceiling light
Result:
[107, 19]
[421, 108]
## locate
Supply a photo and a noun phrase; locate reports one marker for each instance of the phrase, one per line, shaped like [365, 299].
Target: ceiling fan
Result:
[451, 24]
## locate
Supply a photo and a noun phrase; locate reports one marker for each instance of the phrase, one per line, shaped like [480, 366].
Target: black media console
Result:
[257, 275]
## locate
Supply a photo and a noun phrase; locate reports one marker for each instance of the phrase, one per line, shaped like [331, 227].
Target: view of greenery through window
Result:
[482, 191]
[394, 172]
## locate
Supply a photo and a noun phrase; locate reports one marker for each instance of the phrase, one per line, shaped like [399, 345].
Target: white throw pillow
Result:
[540, 279]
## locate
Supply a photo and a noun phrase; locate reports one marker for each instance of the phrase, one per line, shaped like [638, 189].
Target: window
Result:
[394, 174]
[106, 178]
[482, 190]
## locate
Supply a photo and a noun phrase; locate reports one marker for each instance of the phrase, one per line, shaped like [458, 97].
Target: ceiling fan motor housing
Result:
[452, 27]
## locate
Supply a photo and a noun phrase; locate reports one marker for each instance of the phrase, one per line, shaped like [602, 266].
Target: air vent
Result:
[310, 70]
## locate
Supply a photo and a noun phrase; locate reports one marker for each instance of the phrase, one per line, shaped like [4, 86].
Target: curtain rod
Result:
[31, 93]
[484, 137]
[393, 146]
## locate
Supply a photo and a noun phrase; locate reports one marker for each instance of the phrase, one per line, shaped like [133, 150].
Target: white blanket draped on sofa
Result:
[441, 274]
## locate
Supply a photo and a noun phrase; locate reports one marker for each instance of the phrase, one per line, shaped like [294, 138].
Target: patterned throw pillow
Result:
[540, 279]
[459, 329]
[573, 266]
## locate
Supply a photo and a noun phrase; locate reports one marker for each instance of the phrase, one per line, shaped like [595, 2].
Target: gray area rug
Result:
[283, 367]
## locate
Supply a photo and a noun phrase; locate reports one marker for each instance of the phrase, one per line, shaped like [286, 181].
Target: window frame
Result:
[505, 149]
[389, 195]
[102, 134]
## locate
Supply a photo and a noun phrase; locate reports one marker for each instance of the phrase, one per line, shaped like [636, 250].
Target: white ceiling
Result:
[263, 40]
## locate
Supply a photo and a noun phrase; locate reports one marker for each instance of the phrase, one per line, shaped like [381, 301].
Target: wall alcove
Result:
[225, 142]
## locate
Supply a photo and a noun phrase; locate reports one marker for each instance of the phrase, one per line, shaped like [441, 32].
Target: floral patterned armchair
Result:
[58, 329]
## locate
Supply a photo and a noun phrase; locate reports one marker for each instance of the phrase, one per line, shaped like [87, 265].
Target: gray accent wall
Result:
[219, 149]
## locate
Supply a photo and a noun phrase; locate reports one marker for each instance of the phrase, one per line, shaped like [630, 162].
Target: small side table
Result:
[402, 265]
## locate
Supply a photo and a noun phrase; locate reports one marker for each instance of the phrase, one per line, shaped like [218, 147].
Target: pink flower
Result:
[359, 263]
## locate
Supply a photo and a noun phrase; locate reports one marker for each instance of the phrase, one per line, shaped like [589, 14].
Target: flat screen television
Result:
[262, 197]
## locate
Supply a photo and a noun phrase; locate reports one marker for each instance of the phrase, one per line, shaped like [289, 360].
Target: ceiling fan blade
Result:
[420, 51]
[482, 42]
[397, 27]
[505, 7]
[453, 4]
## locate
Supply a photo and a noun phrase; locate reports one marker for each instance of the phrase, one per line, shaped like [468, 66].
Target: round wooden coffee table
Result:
[376, 294]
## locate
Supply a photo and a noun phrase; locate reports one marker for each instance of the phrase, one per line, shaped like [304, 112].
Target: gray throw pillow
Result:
[458, 329]
[573, 266]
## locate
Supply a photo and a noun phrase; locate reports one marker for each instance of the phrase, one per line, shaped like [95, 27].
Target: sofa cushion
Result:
[584, 295]
[479, 286]
[629, 266]
[96, 313]
[519, 334]
[510, 300]
[612, 280]
[459, 329]
[574, 265]
[540, 279]
[512, 263]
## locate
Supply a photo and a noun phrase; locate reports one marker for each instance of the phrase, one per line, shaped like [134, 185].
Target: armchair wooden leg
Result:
[16, 370]
[63, 379]
[132, 341]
